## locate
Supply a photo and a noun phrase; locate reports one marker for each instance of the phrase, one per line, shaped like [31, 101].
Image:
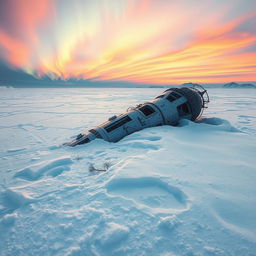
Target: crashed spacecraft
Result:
[166, 109]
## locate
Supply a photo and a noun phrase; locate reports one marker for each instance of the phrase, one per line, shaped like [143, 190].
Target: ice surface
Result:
[185, 190]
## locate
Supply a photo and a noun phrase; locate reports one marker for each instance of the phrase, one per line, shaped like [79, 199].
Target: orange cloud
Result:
[146, 41]
[16, 52]
[26, 18]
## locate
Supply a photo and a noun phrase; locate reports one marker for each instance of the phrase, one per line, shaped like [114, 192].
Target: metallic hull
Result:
[166, 109]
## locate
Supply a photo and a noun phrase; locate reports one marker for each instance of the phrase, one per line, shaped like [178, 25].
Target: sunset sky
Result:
[142, 41]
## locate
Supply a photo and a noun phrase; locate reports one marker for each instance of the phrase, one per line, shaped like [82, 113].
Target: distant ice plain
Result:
[186, 190]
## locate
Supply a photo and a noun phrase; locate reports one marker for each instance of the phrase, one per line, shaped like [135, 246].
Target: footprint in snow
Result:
[51, 168]
[239, 218]
[150, 192]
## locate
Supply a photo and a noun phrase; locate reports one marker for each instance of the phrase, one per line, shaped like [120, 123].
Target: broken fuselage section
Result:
[166, 109]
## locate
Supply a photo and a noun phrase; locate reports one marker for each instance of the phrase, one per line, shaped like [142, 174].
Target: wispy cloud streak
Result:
[137, 41]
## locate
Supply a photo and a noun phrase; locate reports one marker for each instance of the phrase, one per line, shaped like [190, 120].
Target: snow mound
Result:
[217, 124]
[169, 223]
[11, 200]
[8, 220]
[112, 236]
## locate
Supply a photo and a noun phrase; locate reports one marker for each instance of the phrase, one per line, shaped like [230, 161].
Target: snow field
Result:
[186, 190]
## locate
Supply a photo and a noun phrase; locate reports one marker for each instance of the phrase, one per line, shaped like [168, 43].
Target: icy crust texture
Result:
[186, 190]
